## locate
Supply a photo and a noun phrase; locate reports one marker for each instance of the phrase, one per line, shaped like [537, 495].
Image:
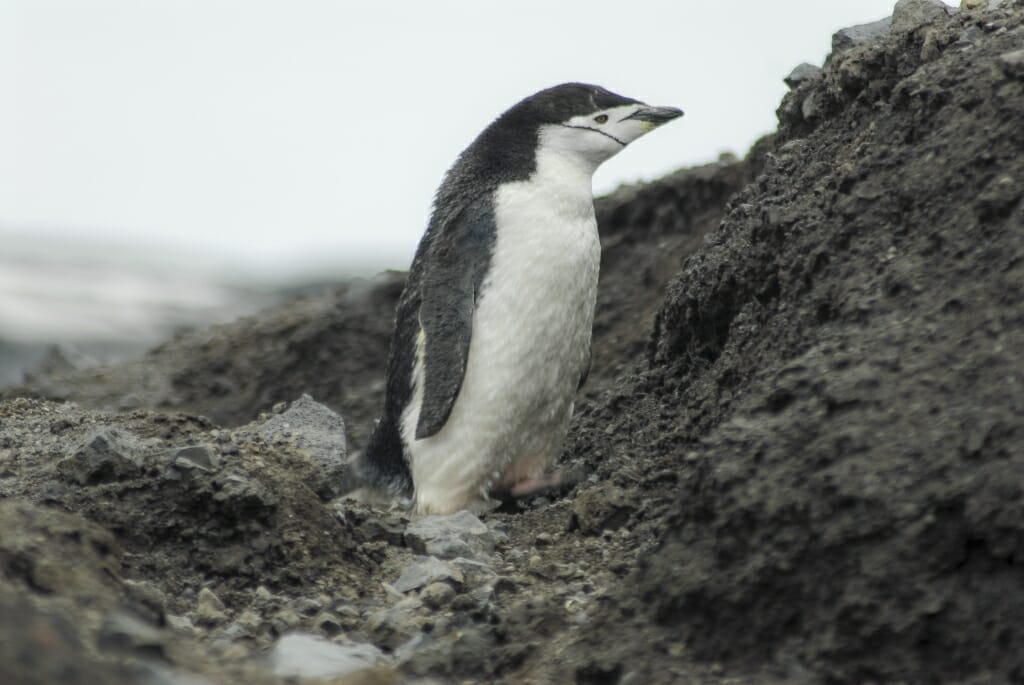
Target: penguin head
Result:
[588, 122]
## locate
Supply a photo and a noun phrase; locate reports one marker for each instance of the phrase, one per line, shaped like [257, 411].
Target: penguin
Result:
[492, 331]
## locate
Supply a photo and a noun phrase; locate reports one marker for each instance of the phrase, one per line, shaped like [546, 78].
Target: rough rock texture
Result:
[837, 384]
[801, 454]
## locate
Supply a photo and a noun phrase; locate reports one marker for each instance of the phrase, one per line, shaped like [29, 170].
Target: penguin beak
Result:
[655, 115]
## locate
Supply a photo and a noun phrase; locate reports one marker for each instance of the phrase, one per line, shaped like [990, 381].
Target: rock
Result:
[802, 72]
[299, 655]
[106, 455]
[910, 15]
[328, 623]
[852, 36]
[1012, 63]
[209, 608]
[970, 36]
[318, 433]
[394, 626]
[426, 570]
[147, 599]
[447, 537]
[437, 595]
[475, 572]
[203, 457]
[810, 108]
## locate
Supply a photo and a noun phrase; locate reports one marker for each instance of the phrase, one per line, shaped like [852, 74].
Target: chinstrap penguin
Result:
[492, 332]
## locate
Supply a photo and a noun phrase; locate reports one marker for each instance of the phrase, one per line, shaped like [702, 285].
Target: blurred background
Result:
[166, 164]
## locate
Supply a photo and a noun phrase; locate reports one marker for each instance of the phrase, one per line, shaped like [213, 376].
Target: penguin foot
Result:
[554, 484]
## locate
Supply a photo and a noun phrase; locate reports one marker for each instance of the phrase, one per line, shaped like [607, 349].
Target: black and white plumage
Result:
[492, 332]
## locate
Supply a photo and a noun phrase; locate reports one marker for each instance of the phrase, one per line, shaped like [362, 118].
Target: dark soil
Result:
[802, 443]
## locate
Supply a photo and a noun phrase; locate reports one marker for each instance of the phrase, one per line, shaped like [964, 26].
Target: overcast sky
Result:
[289, 134]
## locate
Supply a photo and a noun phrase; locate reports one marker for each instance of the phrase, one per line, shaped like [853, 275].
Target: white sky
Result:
[286, 134]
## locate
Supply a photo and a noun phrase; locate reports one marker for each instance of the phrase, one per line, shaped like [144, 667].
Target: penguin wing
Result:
[455, 265]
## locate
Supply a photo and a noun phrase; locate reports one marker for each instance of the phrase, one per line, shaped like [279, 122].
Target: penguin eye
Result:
[601, 118]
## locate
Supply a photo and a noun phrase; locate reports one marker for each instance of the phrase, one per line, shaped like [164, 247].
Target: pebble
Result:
[209, 607]
[1012, 63]
[395, 625]
[437, 595]
[300, 655]
[202, 457]
[447, 537]
[426, 570]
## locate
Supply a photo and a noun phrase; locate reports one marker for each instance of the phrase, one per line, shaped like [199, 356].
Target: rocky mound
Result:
[802, 438]
[834, 391]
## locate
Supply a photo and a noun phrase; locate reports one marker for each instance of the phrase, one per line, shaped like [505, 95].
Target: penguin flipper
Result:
[454, 269]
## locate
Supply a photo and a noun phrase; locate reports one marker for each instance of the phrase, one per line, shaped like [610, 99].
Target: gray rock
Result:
[1012, 63]
[209, 608]
[105, 456]
[475, 572]
[909, 15]
[810, 108]
[852, 36]
[448, 537]
[202, 457]
[426, 570]
[803, 72]
[437, 595]
[300, 655]
[394, 626]
[970, 36]
[317, 432]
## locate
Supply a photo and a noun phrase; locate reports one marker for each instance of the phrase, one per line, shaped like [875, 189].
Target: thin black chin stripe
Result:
[587, 128]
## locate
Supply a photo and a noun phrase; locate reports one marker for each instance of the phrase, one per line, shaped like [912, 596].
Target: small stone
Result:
[300, 655]
[327, 623]
[970, 36]
[285, 620]
[307, 606]
[181, 624]
[426, 570]
[209, 607]
[107, 455]
[233, 633]
[437, 595]
[542, 540]
[1012, 63]
[475, 572]
[263, 595]
[250, 619]
[910, 15]
[801, 73]
[317, 432]
[202, 457]
[448, 537]
[972, 4]
[395, 626]
[852, 36]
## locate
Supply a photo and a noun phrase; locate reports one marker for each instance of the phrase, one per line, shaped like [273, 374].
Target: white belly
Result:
[530, 344]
